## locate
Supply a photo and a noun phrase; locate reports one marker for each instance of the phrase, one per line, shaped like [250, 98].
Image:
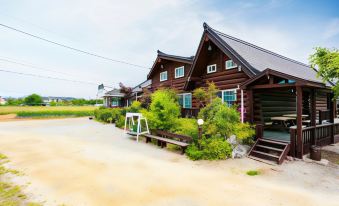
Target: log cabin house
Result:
[170, 71]
[119, 98]
[291, 107]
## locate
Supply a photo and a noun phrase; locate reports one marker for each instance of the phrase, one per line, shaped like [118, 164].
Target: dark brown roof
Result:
[257, 59]
[162, 55]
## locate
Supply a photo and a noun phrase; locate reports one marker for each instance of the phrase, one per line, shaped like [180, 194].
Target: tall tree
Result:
[33, 100]
[326, 61]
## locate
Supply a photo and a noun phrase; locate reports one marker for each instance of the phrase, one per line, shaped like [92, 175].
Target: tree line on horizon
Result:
[37, 100]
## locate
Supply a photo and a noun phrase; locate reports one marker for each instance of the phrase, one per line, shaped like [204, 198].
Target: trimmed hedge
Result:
[43, 114]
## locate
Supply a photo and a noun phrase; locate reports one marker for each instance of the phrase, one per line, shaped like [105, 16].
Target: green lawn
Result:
[45, 112]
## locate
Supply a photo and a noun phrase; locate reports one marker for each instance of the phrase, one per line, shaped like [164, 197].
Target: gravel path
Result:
[82, 162]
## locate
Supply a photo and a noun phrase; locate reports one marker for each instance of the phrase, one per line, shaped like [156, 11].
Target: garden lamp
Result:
[200, 123]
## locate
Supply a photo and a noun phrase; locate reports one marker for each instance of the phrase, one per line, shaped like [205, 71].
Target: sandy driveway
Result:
[82, 162]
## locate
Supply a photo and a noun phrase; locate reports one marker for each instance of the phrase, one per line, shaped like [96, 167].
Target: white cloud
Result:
[131, 31]
[331, 29]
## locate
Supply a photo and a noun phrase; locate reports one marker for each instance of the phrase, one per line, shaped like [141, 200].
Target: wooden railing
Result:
[336, 129]
[320, 135]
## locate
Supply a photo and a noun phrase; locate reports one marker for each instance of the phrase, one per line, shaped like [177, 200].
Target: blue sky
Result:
[133, 30]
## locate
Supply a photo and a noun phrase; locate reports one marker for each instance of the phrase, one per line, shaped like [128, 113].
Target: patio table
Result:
[283, 121]
[295, 116]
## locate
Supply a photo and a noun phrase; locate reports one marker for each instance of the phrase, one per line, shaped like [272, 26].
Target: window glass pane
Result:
[163, 76]
[188, 101]
[179, 72]
[211, 68]
[230, 64]
[181, 100]
[229, 97]
[219, 94]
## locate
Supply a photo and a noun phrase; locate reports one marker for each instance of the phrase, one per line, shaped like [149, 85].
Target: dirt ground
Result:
[82, 162]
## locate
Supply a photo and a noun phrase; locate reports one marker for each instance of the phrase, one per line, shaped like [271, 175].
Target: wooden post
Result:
[250, 102]
[242, 106]
[259, 131]
[331, 107]
[313, 116]
[199, 135]
[299, 122]
[292, 142]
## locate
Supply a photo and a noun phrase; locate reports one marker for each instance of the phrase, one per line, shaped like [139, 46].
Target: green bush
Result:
[253, 172]
[120, 122]
[224, 121]
[108, 114]
[42, 114]
[194, 153]
[214, 148]
[187, 126]
[135, 107]
[33, 99]
[164, 110]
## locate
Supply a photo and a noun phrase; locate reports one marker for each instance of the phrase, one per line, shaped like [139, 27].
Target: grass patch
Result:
[15, 109]
[10, 194]
[252, 173]
[3, 157]
[43, 112]
[330, 156]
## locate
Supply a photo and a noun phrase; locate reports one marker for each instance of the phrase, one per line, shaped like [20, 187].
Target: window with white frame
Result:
[179, 72]
[163, 76]
[211, 68]
[115, 102]
[229, 96]
[230, 64]
[185, 100]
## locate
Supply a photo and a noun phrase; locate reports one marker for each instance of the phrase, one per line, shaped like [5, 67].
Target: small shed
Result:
[114, 98]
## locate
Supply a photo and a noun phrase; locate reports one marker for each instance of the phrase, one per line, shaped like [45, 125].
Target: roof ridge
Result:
[175, 56]
[257, 47]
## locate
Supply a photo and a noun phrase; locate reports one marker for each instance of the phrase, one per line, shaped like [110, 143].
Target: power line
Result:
[27, 64]
[32, 66]
[72, 48]
[47, 77]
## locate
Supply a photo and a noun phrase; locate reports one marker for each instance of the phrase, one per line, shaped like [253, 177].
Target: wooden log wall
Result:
[271, 103]
[171, 82]
[222, 78]
[321, 100]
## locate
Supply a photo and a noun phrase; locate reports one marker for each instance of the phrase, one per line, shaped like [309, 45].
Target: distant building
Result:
[50, 99]
[2, 101]
[117, 98]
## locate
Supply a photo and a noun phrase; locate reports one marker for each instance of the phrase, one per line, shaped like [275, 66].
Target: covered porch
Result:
[114, 98]
[291, 110]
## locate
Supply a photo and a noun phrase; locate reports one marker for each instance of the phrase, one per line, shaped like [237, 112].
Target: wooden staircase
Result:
[269, 151]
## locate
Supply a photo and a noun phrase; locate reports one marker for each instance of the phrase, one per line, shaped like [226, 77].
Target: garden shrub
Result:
[224, 121]
[44, 114]
[108, 114]
[164, 110]
[252, 173]
[214, 148]
[135, 107]
[194, 153]
[120, 122]
[188, 127]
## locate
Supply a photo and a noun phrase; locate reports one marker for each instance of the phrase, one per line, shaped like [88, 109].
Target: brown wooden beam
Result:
[271, 80]
[332, 109]
[299, 122]
[250, 102]
[313, 114]
[268, 86]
